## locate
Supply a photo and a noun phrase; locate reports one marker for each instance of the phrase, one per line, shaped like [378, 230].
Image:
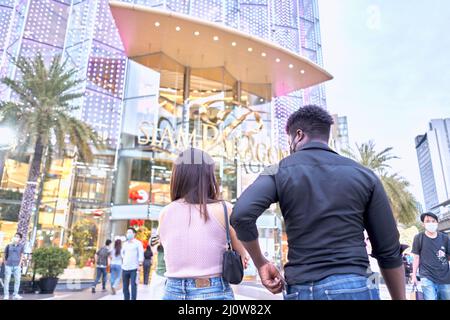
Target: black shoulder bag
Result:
[233, 270]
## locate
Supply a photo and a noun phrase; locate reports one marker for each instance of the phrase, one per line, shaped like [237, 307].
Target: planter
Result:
[47, 285]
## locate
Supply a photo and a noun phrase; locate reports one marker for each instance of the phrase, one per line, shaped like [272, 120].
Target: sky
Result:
[391, 65]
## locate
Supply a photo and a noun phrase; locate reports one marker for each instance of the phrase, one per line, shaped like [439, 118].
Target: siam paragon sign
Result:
[218, 142]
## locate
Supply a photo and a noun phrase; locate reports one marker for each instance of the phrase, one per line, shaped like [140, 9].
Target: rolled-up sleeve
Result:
[251, 204]
[382, 229]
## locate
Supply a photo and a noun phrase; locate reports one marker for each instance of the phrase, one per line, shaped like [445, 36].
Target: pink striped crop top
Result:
[193, 248]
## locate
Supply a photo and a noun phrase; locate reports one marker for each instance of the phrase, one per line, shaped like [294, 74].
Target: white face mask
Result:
[431, 227]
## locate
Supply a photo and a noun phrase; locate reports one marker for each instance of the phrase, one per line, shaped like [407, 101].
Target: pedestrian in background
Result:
[13, 262]
[116, 265]
[431, 251]
[133, 258]
[148, 255]
[101, 261]
[158, 281]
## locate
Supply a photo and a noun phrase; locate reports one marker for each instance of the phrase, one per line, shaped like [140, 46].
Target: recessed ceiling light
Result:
[250, 49]
[233, 44]
[291, 66]
[178, 28]
[277, 60]
[263, 54]
[216, 38]
[302, 71]
[157, 24]
[196, 33]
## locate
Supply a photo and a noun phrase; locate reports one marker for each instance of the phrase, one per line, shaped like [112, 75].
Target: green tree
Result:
[42, 113]
[401, 199]
[83, 239]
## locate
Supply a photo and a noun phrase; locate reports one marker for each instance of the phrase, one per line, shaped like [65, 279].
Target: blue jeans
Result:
[434, 291]
[127, 277]
[186, 289]
[116, 271]
[335, 287]
[16, 272]
[101, 272]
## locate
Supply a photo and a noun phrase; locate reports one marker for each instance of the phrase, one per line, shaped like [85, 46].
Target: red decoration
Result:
[144, 244]
[134, 195]
[137, 223]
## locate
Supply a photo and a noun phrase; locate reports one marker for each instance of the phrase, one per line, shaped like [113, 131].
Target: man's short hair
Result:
[132, 229]
[312, 120]
[108, 242]
[19, 234]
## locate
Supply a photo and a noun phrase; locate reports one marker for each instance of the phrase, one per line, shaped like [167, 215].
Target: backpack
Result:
[103, 254]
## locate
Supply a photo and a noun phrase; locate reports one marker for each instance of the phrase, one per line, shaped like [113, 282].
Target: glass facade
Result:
[147, 110]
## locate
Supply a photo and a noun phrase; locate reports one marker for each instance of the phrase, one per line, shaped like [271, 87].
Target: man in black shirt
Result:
[431, 251]
[327, 201]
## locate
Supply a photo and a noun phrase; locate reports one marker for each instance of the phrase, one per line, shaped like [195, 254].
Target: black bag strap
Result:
[7, 252]
[227, 225]
[421, 235]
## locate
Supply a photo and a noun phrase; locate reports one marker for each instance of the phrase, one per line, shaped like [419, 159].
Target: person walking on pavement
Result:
[158, 281]
[148, 255]
[431, 251]
[116, 265]
[13, 262]
[101, 261]
[326, 201]
[133, 258]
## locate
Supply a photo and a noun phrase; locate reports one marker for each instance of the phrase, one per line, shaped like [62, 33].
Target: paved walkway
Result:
[248, 291]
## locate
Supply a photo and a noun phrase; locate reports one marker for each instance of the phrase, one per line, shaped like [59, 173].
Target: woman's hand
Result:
[245, 261]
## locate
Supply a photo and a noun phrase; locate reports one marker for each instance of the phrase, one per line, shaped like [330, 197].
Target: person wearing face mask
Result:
[133, 258]
[431, 251]
[326, 201]
[13, 262]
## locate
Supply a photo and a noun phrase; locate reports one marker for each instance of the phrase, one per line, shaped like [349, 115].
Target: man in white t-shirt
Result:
[133, 257]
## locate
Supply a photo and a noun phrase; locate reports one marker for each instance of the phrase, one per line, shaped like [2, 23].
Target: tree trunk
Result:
[28, 199]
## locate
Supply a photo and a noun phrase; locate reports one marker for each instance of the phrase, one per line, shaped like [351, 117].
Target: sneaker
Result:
[104, 290]
[5, 297]
[113, 290]
[17, 297]
[93, 290]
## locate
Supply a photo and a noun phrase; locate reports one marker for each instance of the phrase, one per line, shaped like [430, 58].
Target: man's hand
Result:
[271, 278]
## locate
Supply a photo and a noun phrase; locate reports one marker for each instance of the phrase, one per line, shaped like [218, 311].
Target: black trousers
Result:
[147, 267]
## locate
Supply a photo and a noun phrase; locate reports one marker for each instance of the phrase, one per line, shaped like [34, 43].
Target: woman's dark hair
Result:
[193, 179]
[117, 246]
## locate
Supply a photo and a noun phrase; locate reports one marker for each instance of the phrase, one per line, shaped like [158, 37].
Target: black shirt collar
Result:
[317, 145]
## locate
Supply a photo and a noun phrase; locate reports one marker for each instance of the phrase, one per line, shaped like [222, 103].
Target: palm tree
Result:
[42, 117]
[402, 201]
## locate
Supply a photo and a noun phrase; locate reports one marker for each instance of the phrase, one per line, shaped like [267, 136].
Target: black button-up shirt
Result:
[327, 201]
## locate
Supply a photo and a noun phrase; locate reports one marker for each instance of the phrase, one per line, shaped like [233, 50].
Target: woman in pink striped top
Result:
[192, 232]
